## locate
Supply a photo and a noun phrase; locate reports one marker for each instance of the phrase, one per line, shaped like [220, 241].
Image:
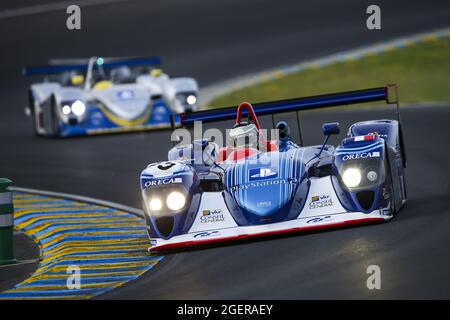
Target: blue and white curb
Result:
[107, 242]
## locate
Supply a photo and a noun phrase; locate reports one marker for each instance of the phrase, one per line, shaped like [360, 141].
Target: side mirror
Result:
[331, 128]
[283, 128]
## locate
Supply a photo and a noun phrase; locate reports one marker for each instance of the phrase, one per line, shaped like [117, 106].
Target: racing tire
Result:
[54, 130]
[33, 115]
[403, 159]
[394, 209]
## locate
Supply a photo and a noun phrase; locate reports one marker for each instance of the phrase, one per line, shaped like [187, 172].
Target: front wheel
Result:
[53, 119]
[33, 115]
[395, 188]
[392, 204]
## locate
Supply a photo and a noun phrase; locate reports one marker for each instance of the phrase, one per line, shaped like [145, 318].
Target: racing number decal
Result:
[166, 166]
[164, 169]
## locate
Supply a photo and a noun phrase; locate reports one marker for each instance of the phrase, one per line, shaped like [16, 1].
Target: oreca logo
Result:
[162, 182]
[363, 155]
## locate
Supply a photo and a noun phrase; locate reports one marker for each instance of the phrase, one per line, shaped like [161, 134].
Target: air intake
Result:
[165, 225]
[365, 199]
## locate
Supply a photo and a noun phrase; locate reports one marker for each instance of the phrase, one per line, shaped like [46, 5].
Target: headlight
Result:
[191, 99]
[176, 201]
[351, 177]
[78, 108]
[155, 204]
[372, 176]
[66, 110]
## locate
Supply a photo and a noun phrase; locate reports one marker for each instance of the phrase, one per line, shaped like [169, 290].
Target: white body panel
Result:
[212, 214]
[169, 88]
[328, 202]
[42, 91]
[326, 211]
[126, 101]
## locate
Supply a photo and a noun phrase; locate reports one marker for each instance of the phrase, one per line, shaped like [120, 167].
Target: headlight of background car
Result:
[66, 109]
[165, 200]
[76, 107]
[362, 174]
[191, 99]
[187, 98]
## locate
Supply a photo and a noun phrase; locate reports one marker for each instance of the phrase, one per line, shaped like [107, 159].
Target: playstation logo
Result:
[262, 173]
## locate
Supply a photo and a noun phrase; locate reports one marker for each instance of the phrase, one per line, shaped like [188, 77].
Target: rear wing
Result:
[56, 66]
[388, 94]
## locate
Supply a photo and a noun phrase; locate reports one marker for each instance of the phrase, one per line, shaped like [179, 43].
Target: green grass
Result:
[422, 72]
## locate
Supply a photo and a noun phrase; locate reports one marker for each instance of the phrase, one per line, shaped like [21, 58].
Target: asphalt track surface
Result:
[213, 41]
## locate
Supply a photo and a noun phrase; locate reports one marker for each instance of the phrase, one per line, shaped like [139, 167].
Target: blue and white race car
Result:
[254, 187]
[103, 95]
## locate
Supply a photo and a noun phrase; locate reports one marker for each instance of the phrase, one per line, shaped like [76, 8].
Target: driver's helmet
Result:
[77, 79]
[155, 73]
[244, 134]
[122, 74]
[68, 79]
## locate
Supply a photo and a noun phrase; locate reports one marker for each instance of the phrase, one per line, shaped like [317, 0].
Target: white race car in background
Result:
[101, 95]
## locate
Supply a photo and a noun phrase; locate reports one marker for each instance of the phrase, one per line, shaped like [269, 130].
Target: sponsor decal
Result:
[364, 138]
[363, 155]
[262, 173]
[262, 184]
[125, 95]
[160, 110]
[318, 219]
[206, 234]
[320, 202]
[376, 133]
[160, 182]
[153, 242]
[262, 204]
[97, 119]
[210, 216]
